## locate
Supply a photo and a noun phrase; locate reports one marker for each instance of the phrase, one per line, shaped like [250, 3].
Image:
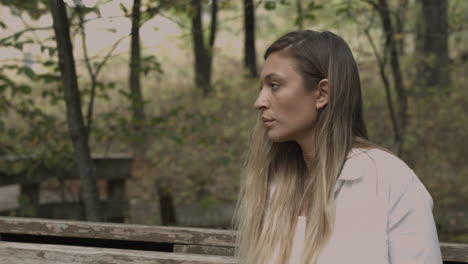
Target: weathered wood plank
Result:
[129, 232]
[26, 253]
[188, 240]
[204, 250]
[456, 252]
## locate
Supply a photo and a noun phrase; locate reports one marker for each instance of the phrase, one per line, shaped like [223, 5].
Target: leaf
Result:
[26, 89]
[48, 77]
[98, 11]
[49, 63]
[309, 16]
[29, 72]
[45, 93]
[18, 45]
[17, 35]
[111, 30]
[2, 25]
[124, 9]
[111, 85]
[124, 93]
[312, 6]
[270, 5]
[52, 51]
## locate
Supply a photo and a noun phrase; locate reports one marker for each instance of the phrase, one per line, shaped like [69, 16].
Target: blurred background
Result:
[148, 123]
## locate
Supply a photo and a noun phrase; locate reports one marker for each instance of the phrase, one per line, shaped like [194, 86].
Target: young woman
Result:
[314, 189]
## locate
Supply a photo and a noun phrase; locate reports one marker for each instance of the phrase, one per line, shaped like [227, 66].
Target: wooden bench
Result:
[33, 240]
[115, 169]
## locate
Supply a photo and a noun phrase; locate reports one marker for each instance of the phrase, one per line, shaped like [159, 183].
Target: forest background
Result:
[173, 83]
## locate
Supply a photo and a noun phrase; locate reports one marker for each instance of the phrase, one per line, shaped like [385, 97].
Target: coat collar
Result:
[353, 168]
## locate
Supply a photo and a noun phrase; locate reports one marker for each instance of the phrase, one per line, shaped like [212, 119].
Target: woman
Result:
[314, 189]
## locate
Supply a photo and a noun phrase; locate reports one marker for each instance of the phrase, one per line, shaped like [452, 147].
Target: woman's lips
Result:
[268, 123]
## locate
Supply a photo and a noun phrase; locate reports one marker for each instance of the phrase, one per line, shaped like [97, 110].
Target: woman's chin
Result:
[274, 137]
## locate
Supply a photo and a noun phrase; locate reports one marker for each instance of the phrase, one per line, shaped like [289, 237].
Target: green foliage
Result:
[461, 238]
[150, 64]
[34, 8]
[208, 202]
[26, 207]
[124, 10]
[310, 12]
[270, 5]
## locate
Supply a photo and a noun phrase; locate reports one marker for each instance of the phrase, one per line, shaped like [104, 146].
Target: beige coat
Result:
[383, 215]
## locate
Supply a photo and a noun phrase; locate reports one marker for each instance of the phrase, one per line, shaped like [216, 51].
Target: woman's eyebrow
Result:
[271, 75]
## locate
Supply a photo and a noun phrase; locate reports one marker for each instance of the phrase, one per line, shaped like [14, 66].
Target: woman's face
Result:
[287, 108]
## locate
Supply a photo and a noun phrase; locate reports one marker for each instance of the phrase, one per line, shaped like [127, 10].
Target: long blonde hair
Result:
[301, 189]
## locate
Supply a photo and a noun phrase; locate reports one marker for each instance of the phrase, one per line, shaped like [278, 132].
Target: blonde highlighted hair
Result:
[300, 189]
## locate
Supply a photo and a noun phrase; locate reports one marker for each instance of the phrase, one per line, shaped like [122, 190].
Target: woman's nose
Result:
[261, 102]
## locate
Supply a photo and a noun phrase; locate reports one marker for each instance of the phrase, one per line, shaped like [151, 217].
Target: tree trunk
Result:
[213, 30]
[391, 47]
[432, 46]
[138, 112]
[201, 65]
[400, 21]
[203, 54]
[250, 58]
[300, 15]
[78, 133]
[168, 214]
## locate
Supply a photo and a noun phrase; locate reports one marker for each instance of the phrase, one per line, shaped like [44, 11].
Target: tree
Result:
[77, 129]
[300, 16]
[250, 57]
[400, 115]
[138, 111]
[203, 54]
[166, 202]
[432, 46]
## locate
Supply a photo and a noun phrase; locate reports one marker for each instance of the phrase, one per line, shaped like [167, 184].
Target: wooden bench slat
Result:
[26, 253]
[456, 252]
[129, 232]
[185, 240]
[204, 250]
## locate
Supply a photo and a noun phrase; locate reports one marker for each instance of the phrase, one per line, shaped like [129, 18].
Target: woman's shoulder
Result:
[385, 162]
[391, 171]
[377, 163]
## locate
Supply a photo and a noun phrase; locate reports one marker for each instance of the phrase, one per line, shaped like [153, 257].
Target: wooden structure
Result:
[30, 241]
[115, 169]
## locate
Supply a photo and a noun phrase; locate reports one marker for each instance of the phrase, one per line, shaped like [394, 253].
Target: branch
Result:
[89, 68]
[382, 62]
[180, 24]
[108, 55]
[24, 31]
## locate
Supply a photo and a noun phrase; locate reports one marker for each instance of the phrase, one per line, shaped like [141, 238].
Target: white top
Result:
[383, 215]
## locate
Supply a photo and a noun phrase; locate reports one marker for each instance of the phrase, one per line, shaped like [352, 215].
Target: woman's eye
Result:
[275, 86]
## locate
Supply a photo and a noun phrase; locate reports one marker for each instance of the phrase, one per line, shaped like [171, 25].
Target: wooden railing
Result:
[115, 169]
[33, 240]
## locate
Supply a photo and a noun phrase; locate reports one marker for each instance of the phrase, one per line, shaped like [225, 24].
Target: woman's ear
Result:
[322, 94]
